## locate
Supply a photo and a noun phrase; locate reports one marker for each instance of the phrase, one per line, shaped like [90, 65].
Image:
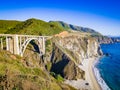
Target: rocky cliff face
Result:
[104, 39]
[115, 39]
[69, 52]
[63, 65]
[80, 47]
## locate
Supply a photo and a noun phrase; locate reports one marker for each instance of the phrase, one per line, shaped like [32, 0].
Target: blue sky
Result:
[101, 15]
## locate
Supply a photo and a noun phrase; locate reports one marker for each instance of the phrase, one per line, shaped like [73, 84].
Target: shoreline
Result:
[90, 77]
[100, 80]
[90, 74]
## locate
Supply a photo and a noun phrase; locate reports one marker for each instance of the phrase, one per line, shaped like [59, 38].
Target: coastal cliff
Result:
[70, 51]
[65, 52]
[103, 39]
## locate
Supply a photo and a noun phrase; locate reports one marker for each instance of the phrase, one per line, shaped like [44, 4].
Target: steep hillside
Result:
[76, 48]
[27, 73]
[74, 27]
[68, 51]
[35, 27]
[93, 33]
[103, 39]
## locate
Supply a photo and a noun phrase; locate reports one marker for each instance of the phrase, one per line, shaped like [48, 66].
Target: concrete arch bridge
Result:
[17, 44]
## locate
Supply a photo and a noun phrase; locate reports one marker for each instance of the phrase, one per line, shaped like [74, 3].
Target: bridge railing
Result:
[23, 35]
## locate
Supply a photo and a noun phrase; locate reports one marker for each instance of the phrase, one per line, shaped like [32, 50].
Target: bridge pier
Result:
[10, 44]
[16, 45]
[1, 41]
[7, 45]
[43, 45]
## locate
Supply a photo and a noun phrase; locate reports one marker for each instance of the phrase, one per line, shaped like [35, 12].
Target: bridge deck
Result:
[23, 35]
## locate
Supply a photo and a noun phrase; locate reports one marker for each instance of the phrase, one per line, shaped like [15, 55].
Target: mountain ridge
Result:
[75, 27]
[35, 27]
[39, 27]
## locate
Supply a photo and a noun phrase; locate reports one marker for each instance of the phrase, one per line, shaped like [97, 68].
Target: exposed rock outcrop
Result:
[63, 65]
[104, 39]
[68, 52]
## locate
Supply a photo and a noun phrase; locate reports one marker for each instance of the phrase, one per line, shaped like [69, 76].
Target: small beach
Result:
[90, 79]
[90, 75]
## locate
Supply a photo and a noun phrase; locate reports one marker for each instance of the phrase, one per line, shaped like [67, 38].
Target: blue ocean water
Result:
[109, 65]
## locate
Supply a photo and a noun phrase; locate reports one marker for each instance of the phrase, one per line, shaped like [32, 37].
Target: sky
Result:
[100, 15]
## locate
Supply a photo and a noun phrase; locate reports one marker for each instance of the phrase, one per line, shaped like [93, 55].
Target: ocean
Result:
[107, 69]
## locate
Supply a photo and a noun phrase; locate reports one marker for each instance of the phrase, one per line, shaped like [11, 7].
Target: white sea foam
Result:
[100, 80]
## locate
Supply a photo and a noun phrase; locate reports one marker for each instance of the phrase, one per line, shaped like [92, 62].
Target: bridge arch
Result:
[27, 41]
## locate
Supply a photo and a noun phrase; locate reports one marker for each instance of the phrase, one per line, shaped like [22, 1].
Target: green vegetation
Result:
[60, 24]
[13, 64]
[7, 24]
[48, 66]
[38, 27]
[35, 27]
[48, 45]
[75, 28]
[15, 75]
[58, 77]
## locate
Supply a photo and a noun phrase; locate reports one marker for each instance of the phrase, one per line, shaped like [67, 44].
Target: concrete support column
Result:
[10, 43]
[39, 45]
[16, 45]
[20, 46]
[7, 45]
[43, 45]
[20, 41]
[1, 43]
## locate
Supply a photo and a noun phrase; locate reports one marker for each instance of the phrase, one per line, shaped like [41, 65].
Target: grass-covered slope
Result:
[15, 75]
[7, 24]
[35, 27]
[74, 27]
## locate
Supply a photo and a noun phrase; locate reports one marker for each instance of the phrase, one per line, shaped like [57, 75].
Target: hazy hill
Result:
[93, 33]
[74, 27]
[115, 38]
